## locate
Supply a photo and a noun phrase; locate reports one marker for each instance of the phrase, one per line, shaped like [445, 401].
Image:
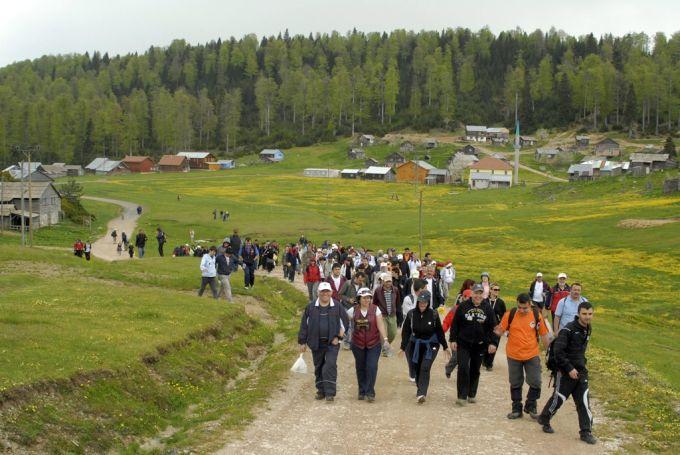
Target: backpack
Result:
[550, 360]
[536, 315]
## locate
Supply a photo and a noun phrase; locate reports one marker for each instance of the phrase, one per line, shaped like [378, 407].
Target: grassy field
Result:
[631, 275]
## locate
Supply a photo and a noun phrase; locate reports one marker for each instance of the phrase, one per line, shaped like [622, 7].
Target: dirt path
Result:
[104, 248]
[293, 422]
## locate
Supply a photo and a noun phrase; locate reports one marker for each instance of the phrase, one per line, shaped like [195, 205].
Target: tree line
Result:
[239, 95]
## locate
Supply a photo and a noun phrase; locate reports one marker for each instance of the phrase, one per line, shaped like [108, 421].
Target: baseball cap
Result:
[539, 274]
[400, 256]
[562, 275]
[477, 288]
[364, 292]
[323, 286]
[425, 296]
[485, 274]
[386, 277]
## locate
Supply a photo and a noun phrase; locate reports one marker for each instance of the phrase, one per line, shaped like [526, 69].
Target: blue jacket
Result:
[309, 325]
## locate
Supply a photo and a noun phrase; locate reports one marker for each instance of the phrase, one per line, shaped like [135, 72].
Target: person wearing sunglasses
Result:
[498, 306]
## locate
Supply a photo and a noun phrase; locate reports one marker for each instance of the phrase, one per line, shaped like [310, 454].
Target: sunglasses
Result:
[496, 289]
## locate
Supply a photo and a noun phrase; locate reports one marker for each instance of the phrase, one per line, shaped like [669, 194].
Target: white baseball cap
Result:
[363, 292]
[562, 275]
[539, 274]
[386, 277]
[324, 286]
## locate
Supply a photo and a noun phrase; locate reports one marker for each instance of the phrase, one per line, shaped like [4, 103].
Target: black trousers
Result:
[290, 273]
[208, 280]
[470, 358]
[423, 367]
[579, 390]
[326, 368]
[488, 358]
[160, 249]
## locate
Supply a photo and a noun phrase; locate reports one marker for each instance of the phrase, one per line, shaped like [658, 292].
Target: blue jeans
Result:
[140, 251]
[366, 362]
[249, 274]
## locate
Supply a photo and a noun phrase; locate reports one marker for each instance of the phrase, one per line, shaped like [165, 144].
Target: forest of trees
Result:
[239, 95]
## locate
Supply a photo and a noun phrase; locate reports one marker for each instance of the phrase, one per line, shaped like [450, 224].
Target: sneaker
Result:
[420, 399]
[329, 398]
[412, 379]
[460, 402]
[515, 415]
[531, 410]
[247, 287]
[319, 396]
[361, 397]
[548, 429]
[588, 438]
[472, 400]
[370, 398]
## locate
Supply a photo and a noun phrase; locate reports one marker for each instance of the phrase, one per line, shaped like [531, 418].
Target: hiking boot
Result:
[420, 399]
[461, 402]
[515, 415]
[588, 438]
[548, 429]
[329, 398]
[531, 410]
[319, 396]
[370, 398]
[472, 400]
[361, 397]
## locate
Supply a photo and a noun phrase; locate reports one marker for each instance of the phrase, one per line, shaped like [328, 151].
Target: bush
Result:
[74, 211]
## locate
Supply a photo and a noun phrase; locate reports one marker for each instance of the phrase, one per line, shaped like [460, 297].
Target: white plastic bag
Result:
[299, 366]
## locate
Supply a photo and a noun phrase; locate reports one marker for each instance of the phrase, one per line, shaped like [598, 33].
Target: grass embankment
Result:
[99, 356]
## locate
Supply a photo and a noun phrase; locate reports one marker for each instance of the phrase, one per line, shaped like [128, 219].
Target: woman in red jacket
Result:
[312, 277]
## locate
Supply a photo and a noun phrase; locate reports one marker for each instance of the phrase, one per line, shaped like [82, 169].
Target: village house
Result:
[395, 159]
[23, 170]
[437, 176]
[54, 171]
[413, 171]
[138, 164]
[366, 140]
[470, 150]
[74, 170]
[173, 163]
[371, 162]
[607, 147]
[490, 173]
[652, 161]
[45, 204]
[498, 135]
[527, 141]
[226, 164]
[198, 160]
[105, 166]
[545, 154]
[271, 155]
[582, 141]
[385, 174]
[431, 143]
[407, 147]
[350, 173]
[581, 171]
[457, 165]
[475, 133]
[356, 154]
[321, 172]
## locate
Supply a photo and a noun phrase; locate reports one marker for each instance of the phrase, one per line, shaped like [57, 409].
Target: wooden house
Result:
[430, 143]
[350, 174]
[45, 204]
[527, 141]
[198, 160]
[582, 141]
[321, 172]
[138, 164]
[546, 154]
[386, 174]
[475, 133]
[105, 166]
[173, 163]
[371, 162]
[498, 135]
[271, 155]
[413, 171]
[356, 154]
[407, 147]
[395, 159]
[437, 176]
[607, 147]
[652, 161]
[490, 173]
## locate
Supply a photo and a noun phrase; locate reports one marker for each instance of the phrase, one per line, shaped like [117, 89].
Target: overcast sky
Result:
[31, 28]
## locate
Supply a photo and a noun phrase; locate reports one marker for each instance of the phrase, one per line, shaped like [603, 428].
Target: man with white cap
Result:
[558, 292]
[322, 328]
[448, 276]
[387, 298]
[538, 291]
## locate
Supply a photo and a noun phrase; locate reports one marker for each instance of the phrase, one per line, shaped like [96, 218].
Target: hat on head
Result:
[364, 292]
[385, 256]
[562, 275]
[415, 274]
[323, 286]
[539, 274]
[477, 288]
[400, 256]
[386, 277]
[449, 265]
[486, 274]
[334, 247]
[425, 296]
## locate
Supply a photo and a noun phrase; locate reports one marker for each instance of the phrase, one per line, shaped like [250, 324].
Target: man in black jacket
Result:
[498, 306]
[569, 350]
[322, 328]
[471, 335]
[225, 265]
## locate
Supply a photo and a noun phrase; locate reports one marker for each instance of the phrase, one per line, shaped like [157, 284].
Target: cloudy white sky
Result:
[31, 28]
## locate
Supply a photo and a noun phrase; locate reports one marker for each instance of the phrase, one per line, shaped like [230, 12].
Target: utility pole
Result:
[30, 201]
[420, 227]
[516, 176]
[26, 152]
[21, 186]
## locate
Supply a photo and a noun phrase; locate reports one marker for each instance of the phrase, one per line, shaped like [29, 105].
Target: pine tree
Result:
[669, 147]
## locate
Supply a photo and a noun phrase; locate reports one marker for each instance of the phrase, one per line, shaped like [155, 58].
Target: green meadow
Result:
[75, 317]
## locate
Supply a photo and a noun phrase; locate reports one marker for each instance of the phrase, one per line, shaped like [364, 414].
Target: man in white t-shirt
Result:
[567, 308]
[538, 291]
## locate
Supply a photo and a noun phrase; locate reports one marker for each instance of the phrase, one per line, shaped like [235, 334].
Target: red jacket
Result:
[312, 274]
[448, 320]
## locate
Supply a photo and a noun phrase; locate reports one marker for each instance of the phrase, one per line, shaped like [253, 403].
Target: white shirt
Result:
[448, 275]
[208, 266]
[408, 304]
[429, 282]
[538, 292]
[336, 282]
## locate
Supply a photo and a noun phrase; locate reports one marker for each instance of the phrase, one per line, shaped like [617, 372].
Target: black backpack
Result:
[536, 315]
[550, 360]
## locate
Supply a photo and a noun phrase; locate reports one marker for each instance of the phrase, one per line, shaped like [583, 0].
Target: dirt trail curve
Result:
[292, 421]
[104, 248]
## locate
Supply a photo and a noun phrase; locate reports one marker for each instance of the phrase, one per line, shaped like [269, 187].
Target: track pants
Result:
[326, 368]
[470, 358]
[579, 390]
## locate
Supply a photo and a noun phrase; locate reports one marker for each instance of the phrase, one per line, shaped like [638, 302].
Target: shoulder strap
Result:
[536, 319]
[511, 317]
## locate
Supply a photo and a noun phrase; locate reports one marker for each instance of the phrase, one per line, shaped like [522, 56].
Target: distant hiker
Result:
[131, 250]
[119, 248]
[292, 260]
[161, 238]
[349, 291]
[538, 291]
[191, 235]
[139, 210]
[114, 235]
[249, 255]
[225, 265]
[558, 292]
[421, 336]
[322, 327]
[567, 308]
[471, 336]
[388, 299]
[178, 198]
[124, 239]
[336, 280]
[569, 350]
[524, 325]
[78, 248]
[140, 243]
[485, 283]
[409, 303]
[225, 215]
[498, 306]
[312, 278]
[235, 242]
[214, 214]
[433, 288]
[88, 249]
[208, 272]
[368, 333]
[448, 276]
